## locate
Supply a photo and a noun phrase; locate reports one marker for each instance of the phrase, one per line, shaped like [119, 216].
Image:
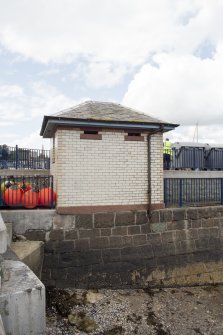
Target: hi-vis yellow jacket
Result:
[167, 148]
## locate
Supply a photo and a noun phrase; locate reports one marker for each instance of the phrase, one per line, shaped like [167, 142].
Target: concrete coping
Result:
[3, 236]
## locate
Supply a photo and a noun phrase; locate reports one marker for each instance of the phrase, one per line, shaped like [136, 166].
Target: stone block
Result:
[181, 235]
[141, 218]
[193, 233]
[99, 242]
[215, 243]
[104, 220]
[115, 241]
[92, 233]
[105, 232]
[139, 239]
[50, 260]
[58, 273]
[49, 247]
[120, 231]
[188, 246]
[154, 217]
[56, 235]
[63, 221]
[84, 221]
[167, 237]
[64, 283]
[132, 230]
[158, 227]
[158, 250]
[61, 247]
[127, 241]
[129, 253]
[177, 225]
[90, 257]
[192, 214]
[71, 234]
[214, 232]
[195, 223]
[206, 223]
[36, 235]
[82, 244]
[166, 215]
[67, 260]
[204, 232]
[145, 252]
[125, 219]
[169, 249]
[179, 214]
[145, 228]
[204, 212]
[111, 255]
[202, 243]
[154, 239]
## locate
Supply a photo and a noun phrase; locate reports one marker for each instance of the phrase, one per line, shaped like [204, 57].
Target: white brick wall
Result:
[156, 168]
[110, 171]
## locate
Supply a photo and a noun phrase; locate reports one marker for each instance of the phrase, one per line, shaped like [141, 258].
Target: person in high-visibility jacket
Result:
[167, 153]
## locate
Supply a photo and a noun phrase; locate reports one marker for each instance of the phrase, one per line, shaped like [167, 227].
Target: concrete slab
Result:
[22, 301]
[2, 330]
[3, 236]
[25, 219]
[9, 233]
[30, 253]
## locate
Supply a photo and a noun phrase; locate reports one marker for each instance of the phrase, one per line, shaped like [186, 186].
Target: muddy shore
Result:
[185, 311]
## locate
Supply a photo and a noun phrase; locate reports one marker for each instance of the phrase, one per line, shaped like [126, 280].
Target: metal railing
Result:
[193, 158]
[180, 192]
[27, 192]
[22, 158]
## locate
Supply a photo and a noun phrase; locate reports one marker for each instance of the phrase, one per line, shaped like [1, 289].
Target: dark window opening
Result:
[91, 132]
[134, 134]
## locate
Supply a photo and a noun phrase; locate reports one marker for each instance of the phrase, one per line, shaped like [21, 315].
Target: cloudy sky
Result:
[162, 57]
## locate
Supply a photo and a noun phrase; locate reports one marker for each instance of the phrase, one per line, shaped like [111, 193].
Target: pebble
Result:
[190, 311]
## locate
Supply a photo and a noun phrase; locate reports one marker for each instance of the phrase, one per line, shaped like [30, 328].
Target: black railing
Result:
[193, 158]
[21, 158]
[180, 192]
[27, 192]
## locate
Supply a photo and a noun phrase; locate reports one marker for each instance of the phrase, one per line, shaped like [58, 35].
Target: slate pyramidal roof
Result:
[102, 115]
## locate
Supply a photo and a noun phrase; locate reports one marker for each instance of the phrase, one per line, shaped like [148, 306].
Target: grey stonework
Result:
[122, 249]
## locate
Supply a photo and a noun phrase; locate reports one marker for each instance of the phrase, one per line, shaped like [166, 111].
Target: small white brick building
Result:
[106, 157]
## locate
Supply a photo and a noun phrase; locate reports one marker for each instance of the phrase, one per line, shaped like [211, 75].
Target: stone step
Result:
[22, 301]
[31, 253]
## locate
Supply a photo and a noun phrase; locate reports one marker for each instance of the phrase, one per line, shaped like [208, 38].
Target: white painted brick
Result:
[105, 172]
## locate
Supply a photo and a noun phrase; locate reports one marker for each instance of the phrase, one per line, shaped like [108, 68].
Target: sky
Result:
[161, 57]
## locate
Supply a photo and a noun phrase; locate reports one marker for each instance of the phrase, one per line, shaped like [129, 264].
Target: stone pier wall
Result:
[127, 249]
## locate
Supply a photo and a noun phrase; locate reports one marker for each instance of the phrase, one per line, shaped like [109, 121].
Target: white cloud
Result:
[181, 89]
[33, 140]
[211, 134]
[17, 110]
[103, 74]
[121, 31]
[11, 91]
[38, 100]
[112, 36]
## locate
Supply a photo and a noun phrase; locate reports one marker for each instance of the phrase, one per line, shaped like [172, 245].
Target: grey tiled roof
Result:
[105, 111]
